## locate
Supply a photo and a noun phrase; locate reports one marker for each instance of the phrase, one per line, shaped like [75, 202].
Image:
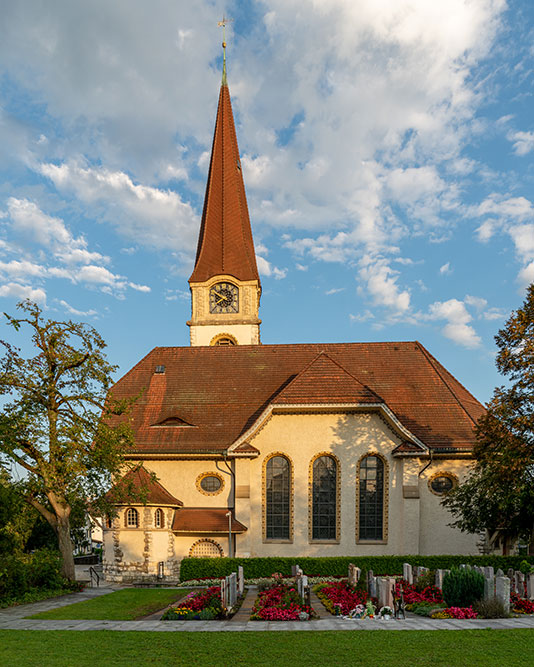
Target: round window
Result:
[211, 484]
[441, 484]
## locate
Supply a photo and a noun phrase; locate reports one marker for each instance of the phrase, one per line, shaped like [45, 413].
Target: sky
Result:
[387, 150]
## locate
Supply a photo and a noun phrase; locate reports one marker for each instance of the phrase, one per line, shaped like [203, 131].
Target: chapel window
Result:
[371, 499]
[441, 483]
[277, 498]
[132, 518]
[324, 499]
[159, 520]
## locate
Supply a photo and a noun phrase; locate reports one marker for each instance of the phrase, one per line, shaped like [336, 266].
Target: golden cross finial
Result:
[222, 24]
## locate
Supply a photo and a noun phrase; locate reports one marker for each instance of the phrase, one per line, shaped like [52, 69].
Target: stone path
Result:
[243, 615]
[14, 619]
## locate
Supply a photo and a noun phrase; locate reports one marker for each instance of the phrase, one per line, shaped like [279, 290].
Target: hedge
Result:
[200, 568]
[21, 573]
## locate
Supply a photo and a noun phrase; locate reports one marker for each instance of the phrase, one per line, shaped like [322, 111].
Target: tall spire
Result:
[225, 245]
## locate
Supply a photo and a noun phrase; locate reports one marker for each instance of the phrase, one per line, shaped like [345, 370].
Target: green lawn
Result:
[439, 648]
[127, 604]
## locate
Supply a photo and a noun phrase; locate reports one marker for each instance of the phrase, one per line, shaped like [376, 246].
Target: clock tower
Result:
[225, 284]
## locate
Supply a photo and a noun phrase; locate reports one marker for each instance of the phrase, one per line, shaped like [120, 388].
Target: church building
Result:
[249, 449]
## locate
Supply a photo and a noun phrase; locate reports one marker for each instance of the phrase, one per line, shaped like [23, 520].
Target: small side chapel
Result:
[281, 450]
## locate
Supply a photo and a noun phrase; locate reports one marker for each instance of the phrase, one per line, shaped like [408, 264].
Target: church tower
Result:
[225, 284]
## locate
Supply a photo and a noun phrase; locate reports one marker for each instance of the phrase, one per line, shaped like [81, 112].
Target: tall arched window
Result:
[324, 499]
[132, 518]
[371, 499]
[159, 520]
[277, 498]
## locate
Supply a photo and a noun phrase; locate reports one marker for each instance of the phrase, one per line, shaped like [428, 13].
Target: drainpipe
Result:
[427, 465]
[231, 502]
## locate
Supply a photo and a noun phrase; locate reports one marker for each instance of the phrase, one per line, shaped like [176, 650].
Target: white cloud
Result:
[267, 269]
[38, 227]
[381, 283]
[445, 269]
[457, 328]
[23, 292]
[147, 215]
[334, 290]
[74, 311]
[523, 142]
[476, 301]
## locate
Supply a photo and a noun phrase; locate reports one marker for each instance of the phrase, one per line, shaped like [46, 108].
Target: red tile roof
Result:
[225, 244]
[223, 390]
[205, 520]
[325, 381]
[139, 488]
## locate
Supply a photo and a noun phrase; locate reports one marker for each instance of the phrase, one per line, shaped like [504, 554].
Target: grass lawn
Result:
[375, 647]
[127, 604]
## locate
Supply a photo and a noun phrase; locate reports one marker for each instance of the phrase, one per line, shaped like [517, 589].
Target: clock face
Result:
[224, 298]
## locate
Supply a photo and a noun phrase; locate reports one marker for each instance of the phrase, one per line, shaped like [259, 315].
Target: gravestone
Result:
[488, 571]
[385, 591]
[499, 573]
[224, 594]
[240, 580]
[439, 578]
[352, 575]
[520, 584]
[231, 584]
[510, 573]
[530, 586]
[502, 592]
[294, 570]
[372, 586]
[407, 573]
[489, 588]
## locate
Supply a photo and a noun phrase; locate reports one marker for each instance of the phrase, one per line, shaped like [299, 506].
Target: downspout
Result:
[231, 508]
[427, 465]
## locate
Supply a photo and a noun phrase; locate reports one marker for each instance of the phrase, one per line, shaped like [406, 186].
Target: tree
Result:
[499, 494]
[59, 423]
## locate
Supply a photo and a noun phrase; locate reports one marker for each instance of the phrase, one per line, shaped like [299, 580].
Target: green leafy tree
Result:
[57, 423]
[499, 494]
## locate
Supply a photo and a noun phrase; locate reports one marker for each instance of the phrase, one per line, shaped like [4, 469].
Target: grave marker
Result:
[502, 592]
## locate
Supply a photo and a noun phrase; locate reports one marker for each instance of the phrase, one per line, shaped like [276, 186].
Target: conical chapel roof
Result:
[225, 245]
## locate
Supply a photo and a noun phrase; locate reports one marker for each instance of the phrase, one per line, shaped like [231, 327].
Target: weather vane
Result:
[222, 24]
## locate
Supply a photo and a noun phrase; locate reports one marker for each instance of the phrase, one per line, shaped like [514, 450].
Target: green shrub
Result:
[427, 579]
[255, 568]
[22, 573]
[490, 609]
[44, 569]
[525, 567]
[462, 587]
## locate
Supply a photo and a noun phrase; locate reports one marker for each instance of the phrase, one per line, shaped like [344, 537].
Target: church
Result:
[248, 449]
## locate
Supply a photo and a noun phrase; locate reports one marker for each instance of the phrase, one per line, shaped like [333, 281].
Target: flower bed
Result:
[411, 596]
[281, 602]
[455, 612]
[339, 598]
[202, 605]
[520, 605]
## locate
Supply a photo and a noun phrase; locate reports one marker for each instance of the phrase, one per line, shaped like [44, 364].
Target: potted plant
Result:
[386, 612]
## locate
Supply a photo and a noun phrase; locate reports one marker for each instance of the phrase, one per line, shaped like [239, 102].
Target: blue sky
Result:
[387, 149]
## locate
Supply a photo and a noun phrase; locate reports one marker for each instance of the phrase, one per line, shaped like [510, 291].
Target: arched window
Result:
[132, 518]
[109, 522]
[324, 498]
[159, 519]
[277, 498]
[206, 548]
[371, 498]
[223, 339]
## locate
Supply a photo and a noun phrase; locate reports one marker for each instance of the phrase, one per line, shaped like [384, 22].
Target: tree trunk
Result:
[65, 546]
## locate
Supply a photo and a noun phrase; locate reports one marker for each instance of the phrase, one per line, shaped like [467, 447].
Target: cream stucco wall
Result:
[414, 524]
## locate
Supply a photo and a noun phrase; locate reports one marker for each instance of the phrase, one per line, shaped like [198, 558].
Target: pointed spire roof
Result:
[225, 244]
[325, 381]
